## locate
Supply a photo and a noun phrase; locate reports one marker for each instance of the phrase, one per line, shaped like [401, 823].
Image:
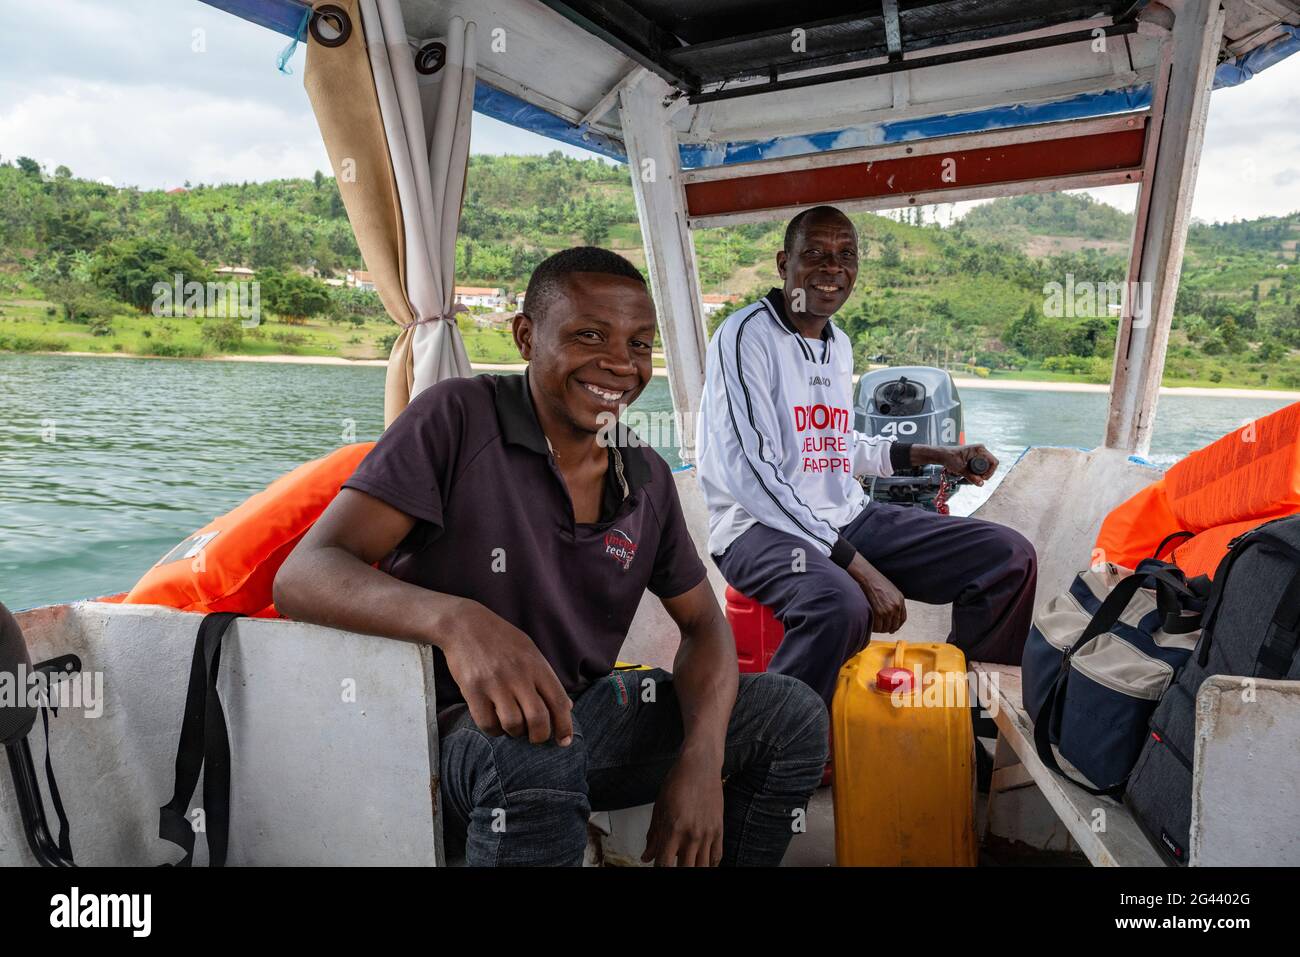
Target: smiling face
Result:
[590, 353]
[822, 262]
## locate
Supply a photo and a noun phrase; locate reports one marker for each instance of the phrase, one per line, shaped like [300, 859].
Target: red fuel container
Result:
[756, 630]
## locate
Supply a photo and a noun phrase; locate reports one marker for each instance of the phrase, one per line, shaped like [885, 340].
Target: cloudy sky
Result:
[115, 89]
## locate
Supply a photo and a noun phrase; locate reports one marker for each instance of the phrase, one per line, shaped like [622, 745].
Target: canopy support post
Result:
[653, 161]
[1180, 103]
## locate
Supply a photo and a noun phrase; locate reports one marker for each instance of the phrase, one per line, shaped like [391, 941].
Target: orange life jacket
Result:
[1233, 484]
[230, 563]
[1135, 528]
[1253, 472]
[1201, 554]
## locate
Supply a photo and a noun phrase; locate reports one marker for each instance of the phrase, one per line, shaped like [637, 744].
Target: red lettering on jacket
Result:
[820, 417]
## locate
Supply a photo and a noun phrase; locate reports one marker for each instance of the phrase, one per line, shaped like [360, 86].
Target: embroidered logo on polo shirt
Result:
[620, 547]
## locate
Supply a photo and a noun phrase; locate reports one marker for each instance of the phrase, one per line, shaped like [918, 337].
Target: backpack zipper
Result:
[1161, 738]
[1116, 686]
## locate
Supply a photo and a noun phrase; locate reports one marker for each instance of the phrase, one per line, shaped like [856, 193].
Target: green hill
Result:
[1050, 214]
[972, 296]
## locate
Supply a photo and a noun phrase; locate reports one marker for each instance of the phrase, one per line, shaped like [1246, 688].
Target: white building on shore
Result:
[481, 297]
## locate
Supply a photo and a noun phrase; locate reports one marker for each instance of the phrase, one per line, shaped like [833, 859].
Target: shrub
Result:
[286, 338]
[172, 349]
[1092, 368]
[18, 343]
[223, 335]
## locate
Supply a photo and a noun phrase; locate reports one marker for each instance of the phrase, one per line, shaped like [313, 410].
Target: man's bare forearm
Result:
[705, 677]
[330, 586]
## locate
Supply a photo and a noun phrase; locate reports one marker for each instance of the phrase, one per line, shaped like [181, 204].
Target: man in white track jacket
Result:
[790, 526]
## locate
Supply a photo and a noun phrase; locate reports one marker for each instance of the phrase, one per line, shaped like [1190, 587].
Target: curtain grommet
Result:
[431, 58]
[336, 19]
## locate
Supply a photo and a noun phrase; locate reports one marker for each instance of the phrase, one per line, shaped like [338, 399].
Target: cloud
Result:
[153, 93]
[160, 136]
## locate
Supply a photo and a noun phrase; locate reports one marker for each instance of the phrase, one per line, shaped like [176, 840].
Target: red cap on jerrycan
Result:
[896, 677]
[890, 680]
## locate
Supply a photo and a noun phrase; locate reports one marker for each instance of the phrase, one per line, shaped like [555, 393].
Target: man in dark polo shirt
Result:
[516, 533]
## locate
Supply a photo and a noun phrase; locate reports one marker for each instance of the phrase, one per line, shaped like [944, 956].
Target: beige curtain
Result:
[407, 137]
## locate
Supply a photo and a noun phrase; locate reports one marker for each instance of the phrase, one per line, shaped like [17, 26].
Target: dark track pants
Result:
[987, 571]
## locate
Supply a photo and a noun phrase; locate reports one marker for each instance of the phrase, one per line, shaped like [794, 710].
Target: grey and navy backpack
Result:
[1252, 629]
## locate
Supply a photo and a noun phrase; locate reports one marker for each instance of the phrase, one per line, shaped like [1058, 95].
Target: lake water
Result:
[105, 464]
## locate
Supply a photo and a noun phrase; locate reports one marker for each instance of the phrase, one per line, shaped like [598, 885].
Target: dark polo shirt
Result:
[468, 460]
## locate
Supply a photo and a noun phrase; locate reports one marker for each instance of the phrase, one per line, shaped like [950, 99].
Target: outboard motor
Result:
[910, 404]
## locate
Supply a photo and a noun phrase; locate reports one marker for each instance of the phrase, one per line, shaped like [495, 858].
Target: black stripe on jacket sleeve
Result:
[900, 455]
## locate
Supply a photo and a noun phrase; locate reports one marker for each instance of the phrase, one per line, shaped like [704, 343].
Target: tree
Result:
[81, 301]
[889, 257]
[1025, 334]
[1084, 337]
[29, 166]
[129, 268]
[294, 298]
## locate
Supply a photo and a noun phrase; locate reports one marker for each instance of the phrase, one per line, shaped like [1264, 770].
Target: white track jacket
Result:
[775, 442]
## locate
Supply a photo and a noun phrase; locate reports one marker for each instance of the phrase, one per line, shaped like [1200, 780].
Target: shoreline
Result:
[962, 382]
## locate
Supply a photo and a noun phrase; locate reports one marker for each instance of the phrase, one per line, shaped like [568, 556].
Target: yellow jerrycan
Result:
[904, 751]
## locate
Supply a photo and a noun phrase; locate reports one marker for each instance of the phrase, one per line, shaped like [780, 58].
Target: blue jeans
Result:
[506, 801]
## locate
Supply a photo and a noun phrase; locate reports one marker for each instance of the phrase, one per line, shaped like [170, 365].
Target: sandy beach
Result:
[962, 382]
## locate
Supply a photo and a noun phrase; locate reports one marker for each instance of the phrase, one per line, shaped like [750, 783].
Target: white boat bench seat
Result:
[333, 739]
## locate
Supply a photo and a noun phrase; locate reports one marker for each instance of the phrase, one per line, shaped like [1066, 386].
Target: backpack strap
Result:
[1283, 638]
[1176, 594]
[1215, 601]
[1169, 538]
[1049, 720]
[65, 839]
[203, 745]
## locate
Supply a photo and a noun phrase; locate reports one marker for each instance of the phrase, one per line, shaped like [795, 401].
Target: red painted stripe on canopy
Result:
[1008, 163]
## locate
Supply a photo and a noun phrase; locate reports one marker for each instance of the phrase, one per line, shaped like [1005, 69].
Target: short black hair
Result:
[795, 225]
[549, 276]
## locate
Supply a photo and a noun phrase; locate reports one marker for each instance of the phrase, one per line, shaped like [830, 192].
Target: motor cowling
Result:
[909, 404]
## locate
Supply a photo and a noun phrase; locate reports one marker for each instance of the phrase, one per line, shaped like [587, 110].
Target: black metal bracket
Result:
[337, 20]
[31, 806]
[430, 58]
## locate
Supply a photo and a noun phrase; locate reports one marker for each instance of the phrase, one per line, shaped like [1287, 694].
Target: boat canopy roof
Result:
[754, 82]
